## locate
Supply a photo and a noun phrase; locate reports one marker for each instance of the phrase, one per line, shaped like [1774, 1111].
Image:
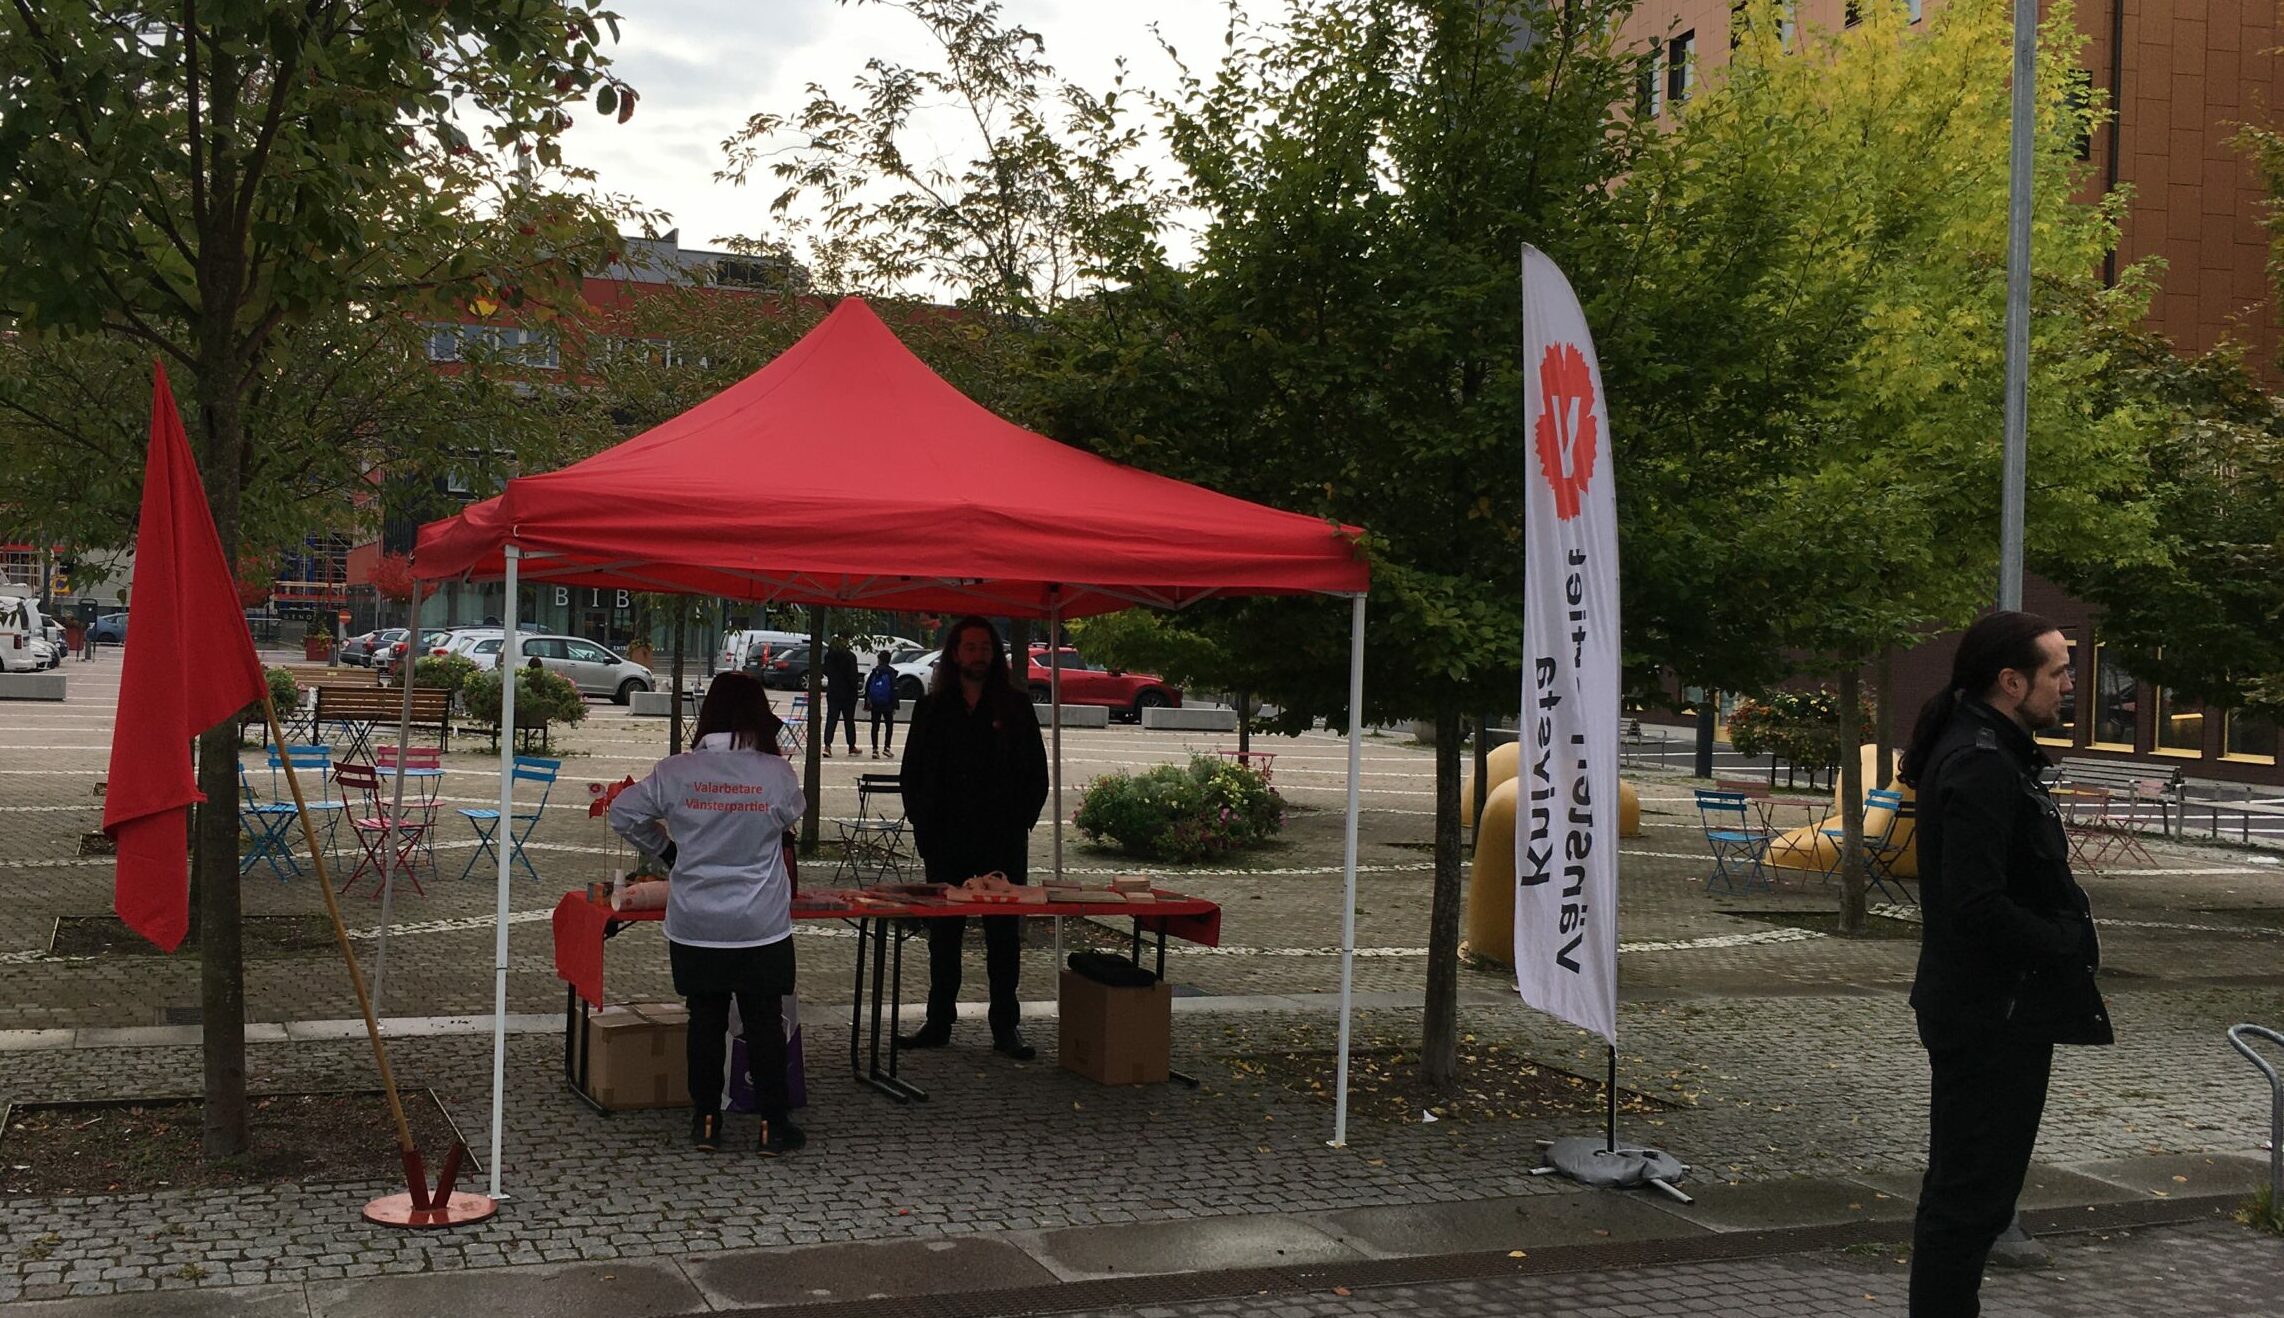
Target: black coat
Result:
[2009, 943]
[841, 679]
[974, 781]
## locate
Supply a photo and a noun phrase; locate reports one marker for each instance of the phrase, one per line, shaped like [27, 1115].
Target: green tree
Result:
[194, 179]
[1807, 353]
[1366, 172]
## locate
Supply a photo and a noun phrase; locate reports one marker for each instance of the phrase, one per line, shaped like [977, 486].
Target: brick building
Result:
[2181, 80]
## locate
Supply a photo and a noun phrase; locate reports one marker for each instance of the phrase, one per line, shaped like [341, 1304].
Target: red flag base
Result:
[459, 1209]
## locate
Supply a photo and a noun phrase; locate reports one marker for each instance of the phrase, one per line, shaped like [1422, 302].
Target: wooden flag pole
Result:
[419, 1207]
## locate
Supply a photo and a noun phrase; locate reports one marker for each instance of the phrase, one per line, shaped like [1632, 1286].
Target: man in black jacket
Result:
[841, 685]
[2007, 954]
[974, 778]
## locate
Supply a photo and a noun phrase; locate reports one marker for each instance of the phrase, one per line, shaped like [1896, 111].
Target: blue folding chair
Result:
[268, 828]
[1737, 843]
[528, 768]
[313, 764]
[1882, 807]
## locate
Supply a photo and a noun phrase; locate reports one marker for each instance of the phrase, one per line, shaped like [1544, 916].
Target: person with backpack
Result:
[880, 698]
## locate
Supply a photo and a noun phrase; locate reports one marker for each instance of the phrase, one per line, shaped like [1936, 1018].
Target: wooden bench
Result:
[2129, 780]
[361, 709]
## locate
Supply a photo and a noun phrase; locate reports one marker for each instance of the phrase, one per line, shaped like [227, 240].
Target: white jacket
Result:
[726, 812]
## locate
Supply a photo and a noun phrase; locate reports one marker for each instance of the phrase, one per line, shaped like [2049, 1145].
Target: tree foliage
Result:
[201, 182]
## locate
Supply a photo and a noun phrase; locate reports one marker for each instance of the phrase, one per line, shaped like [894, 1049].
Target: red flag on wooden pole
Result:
[190, 666]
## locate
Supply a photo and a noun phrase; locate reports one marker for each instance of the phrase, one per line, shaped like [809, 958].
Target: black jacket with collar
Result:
[2009, 944]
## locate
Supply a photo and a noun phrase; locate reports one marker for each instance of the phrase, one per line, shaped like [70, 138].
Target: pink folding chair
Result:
[388, 841]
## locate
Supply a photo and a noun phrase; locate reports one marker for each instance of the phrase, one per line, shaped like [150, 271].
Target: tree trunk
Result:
[1883, 717]
[1019, 655]
[1708, 709]
[1439, 1032]
[812, 776]
[1852, 884]
[221, 964]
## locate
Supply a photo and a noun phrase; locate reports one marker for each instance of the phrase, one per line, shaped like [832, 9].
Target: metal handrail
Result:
[2236, 1038]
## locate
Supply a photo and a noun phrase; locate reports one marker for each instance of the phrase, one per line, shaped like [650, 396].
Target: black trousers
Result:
[838, 712]
[1983, 1111]
[761, 1015]
[759, 977]
[884, 719]
[1002, 936]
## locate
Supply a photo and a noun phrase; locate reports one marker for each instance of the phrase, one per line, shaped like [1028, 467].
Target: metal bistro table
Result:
[582, 925]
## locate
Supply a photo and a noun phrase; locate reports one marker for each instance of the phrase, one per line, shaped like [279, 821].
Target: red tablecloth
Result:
[580, 922]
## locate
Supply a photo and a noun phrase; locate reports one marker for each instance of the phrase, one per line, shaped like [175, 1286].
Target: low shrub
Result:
[1206, 808]
[542, 698]
[1802, 728]
[447, 671]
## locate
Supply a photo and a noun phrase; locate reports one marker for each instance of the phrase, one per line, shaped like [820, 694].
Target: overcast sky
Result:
[703, 66]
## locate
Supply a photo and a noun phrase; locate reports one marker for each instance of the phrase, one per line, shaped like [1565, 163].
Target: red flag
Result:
[191, 665]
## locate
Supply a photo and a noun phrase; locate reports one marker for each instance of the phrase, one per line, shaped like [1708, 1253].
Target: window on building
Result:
[1915, 9]
[2065, 731]
[1738, 23]
[2248, 737]
[444, 343]
[2180, 725]
[1853, 14]
[2114, 693]
[1787, 22]
[1677, 67]
[1646, 88]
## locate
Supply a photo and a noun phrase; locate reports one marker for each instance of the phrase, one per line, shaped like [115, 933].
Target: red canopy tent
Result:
[847, 472]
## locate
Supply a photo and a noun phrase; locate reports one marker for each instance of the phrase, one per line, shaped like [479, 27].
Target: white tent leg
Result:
[1055, 728]
[1348, 862]
[502, 835]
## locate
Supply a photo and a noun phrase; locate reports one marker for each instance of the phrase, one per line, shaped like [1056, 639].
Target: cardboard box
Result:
[1116, 1036]
[638, 1055]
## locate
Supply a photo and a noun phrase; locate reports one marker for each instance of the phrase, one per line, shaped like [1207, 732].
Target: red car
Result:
[1087, 683]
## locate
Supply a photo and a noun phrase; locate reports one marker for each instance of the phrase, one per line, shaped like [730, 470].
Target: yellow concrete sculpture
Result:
[1491, 888]
[1499, 768]
[1807, 848]
[1491, 884]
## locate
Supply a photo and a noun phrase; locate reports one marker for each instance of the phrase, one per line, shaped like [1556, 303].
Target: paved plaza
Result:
[1778, 1062]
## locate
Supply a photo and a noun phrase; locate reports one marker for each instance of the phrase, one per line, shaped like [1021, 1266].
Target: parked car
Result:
[23, 649]
[786, 668]
[1086, 683]
[431, 643]
[915, 671]
[111, 629]
[740, 648]
[591, 667]
[359, 650]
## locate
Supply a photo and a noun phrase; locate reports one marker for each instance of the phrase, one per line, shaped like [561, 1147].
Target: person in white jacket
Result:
[716, 816]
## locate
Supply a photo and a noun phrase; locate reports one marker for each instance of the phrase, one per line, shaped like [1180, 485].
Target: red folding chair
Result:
[422, 767]
[388, 842]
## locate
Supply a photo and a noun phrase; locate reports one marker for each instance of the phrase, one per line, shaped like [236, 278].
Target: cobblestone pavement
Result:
[1782, 1054]
[2204, 1271]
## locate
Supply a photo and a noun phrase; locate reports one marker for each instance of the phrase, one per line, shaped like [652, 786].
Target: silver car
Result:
[592, 668]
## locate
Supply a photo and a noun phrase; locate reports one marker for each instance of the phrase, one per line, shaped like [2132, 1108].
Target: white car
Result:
[591, 667]
[915, 670]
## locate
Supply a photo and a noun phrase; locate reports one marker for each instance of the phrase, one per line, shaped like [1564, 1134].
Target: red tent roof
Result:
[847, 472]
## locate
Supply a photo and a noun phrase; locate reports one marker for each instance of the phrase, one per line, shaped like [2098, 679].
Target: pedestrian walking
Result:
[880, 699]
[2007, 953]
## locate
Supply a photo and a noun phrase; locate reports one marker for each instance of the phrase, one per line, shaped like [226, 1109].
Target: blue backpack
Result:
[880, 688]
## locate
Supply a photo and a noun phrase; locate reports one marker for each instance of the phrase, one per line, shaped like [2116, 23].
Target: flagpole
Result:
[442, 1207]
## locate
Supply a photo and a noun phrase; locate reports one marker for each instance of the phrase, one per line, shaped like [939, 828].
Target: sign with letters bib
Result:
[1566, 806]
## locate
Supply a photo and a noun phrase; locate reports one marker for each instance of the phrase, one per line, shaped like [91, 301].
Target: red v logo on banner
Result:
[1567, 434]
